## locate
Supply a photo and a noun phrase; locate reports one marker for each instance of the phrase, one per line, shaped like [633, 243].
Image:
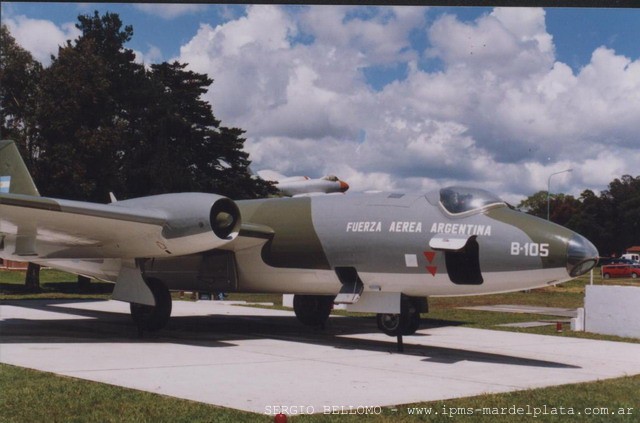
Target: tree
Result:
[622, 203]
[86, 95]
[611, 220]
[19, 79]
[109, 124]
[32, 279]
[561, 206]
[180, 146]
[591, 221]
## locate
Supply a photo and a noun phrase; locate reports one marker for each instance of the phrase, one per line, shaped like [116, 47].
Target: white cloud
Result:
[170, 11]
[40, 37]
[153, 55]
[495, 43]
[379, 38]
[502, 113]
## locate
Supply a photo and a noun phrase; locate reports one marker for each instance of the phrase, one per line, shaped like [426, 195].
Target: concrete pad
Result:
[527, 324]
[255, 359]
[527, 309]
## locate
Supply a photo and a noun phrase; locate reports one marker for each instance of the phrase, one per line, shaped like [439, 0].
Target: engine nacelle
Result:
[194, 222]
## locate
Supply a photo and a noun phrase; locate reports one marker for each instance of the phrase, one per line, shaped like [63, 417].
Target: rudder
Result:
[14, 175]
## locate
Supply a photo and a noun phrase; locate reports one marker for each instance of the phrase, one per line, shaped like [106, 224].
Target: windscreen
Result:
[461, 200]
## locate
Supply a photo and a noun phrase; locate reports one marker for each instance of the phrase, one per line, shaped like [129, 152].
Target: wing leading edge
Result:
[156, 226]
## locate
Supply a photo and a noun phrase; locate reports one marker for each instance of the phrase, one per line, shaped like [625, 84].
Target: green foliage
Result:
[19, 81]
[28, 396]
[178, 145]
[561, 207]
[53, 284]
[32, 396]
[617, 395]
[86, 96]
[611, 220]
[106, 123]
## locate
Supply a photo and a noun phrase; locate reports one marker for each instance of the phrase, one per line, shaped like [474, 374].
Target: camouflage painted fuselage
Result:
[403, 243]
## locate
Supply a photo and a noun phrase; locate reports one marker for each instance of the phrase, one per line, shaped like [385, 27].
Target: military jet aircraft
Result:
[383, 253]
[295, 186]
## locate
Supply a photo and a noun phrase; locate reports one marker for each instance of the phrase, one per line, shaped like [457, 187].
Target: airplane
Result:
[293, 186]
[382, 253]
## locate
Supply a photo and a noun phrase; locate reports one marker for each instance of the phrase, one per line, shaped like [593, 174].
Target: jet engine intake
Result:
[203, 222]
[192, 223]
[224, 218]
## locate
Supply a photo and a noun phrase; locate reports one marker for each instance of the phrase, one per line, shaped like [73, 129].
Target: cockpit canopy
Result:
[457, 200]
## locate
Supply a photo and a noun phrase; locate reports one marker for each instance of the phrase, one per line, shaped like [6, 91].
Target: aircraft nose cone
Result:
[582, 256]
[343, 186]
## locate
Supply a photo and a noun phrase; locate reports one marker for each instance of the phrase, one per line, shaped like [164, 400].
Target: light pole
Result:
[549, 187]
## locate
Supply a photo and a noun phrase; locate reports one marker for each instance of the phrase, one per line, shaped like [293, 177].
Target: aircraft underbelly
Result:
[301, 281]
[441, 285]
[256, 276]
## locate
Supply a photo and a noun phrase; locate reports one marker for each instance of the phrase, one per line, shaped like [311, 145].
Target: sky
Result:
[400, 98]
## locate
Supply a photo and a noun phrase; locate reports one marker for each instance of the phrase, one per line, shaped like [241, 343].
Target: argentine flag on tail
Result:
[5, 184]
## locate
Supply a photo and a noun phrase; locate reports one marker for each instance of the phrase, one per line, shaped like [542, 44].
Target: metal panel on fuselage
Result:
[387, 235]
[386, 238]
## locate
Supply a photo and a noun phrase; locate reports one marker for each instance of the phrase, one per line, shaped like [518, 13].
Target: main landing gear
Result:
[313, 310]
[153, 318]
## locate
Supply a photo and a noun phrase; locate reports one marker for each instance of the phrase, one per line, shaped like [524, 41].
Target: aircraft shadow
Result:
[214, 331]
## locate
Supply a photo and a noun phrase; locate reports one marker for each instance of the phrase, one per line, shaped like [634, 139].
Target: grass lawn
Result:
[31, 396]
[53, 284]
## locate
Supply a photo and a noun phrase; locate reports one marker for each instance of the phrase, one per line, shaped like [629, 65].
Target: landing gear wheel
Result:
[153, 318]
[405, 323]
[414, 323]
[312, 310]
[390, 324]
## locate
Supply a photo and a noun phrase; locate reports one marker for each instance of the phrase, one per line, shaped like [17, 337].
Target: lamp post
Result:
[549, 187]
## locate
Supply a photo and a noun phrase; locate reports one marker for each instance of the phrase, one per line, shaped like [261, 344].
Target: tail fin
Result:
[14, 175]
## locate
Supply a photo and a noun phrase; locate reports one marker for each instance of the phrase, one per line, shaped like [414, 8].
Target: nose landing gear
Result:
[405, 323]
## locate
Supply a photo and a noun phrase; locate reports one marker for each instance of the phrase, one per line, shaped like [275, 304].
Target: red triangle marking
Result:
[432, 270]
[430, 255]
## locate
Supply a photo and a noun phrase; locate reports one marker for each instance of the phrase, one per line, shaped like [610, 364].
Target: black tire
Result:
[153, 318]
[405, 323]
[606, 276]
[312, 310]
[390, 324]
[634, 275]
[413, 324]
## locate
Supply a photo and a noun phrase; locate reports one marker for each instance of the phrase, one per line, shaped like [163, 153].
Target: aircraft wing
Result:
[163, 225]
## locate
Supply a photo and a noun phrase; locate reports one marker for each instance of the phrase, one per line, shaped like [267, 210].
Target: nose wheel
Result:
[405, 323]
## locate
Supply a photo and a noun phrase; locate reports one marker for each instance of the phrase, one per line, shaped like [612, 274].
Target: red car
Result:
[620, 271]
